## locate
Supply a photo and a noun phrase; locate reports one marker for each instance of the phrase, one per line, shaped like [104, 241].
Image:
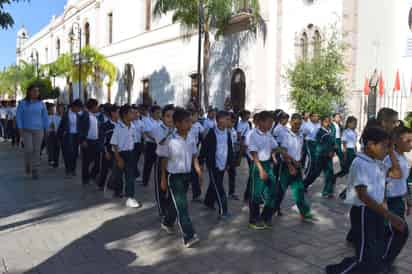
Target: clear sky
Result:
[34, 15]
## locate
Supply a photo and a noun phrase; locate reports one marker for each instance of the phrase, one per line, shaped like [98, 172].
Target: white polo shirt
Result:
[93, 133]
[11, 113]
[124, 137]
[242, 128]
[262, 143]
[337, 132]
[196, 130]
[54, 122]
[3, 113]
[222, 149]
[139, 127]
[180, 154]
[367, 172]
[398, 187]
[279, 131]
[293, 143]
[209, 123]
[309, 130]
[350, 138]
[162, 135]
[72, 122]
[149, 124]
[247, 141]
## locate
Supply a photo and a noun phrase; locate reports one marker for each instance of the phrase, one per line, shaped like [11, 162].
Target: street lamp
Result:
[72, 36]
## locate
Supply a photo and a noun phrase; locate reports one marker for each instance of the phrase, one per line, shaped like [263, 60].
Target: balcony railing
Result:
[242, 15]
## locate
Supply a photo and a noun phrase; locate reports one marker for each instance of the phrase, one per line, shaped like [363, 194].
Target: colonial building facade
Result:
[156, 58]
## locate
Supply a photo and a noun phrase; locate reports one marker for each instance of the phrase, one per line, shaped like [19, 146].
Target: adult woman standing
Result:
[32, 122]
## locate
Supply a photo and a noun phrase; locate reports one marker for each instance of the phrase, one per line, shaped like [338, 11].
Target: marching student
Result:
[336, 128]
[325, 150]
[309, 130]
[397, 190]
[281, 128]
[349, 141]
[235, 158]
[138, 146]
[162, 135]
[366, 194]
[290, 171]
[89, 140]
[246, 195]
[196, 132]
[261, 146]
[210, 121]
[217, 151]
[150, 143]
[11, 122]
[68, 133]
[3, 115]
[181, 154]
[106, 131]
[53, 144]
[123, 140]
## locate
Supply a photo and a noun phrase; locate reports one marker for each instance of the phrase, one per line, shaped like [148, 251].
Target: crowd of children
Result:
[281, 151]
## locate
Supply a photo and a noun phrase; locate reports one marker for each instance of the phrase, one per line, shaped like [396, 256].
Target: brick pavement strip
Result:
[55, 226]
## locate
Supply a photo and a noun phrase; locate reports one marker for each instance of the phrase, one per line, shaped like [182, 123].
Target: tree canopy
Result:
[6, 20]
[317, 84]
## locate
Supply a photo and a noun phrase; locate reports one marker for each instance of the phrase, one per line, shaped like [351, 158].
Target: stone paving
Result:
[57, 226]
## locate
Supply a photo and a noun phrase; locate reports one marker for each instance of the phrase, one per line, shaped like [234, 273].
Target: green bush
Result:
[317, 83]
[408, 119]
[45, 85]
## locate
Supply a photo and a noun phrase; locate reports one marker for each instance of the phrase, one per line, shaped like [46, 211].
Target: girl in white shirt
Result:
[349, 141]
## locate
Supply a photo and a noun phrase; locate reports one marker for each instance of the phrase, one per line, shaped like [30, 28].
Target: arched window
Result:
[238, 90]
[317, 43]
[304, 43]
[87, 33]
[58, 47]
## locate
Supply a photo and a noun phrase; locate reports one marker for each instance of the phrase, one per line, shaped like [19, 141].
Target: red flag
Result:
[366, 88]
[397, 86]
[381, 85]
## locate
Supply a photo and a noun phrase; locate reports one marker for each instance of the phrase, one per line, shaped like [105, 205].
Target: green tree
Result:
[94, 64]
[216, 15]
[317, 84]
[45, 86]
[6, 20]
[14, 76]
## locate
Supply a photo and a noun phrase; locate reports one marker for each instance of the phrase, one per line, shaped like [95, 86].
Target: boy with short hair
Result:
[122, 141]
[366, 194]
[150, 143]
[53, 144]
[217, 151]
[261, 146]
[196, 132]
[235, 158]
[89, 140]
[181, 153]
[325, 150]
[290, 171]
[106, 134]
[162, 135]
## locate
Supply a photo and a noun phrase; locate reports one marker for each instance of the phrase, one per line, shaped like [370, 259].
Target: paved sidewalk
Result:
[56, 226]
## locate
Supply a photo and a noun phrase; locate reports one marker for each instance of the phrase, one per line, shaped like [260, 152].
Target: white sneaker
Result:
[132, 203]
[192, 241]
[169, 230]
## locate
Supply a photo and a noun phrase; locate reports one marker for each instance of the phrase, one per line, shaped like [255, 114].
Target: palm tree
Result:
[15, 76]
[216, 15]
[93, 66]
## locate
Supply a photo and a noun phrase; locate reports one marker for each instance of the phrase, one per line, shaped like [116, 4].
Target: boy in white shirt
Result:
[261, 146]
[366, 194]
[197, 132]
[291, 167]
[162, 135]
[181, 154]
[52, 141]
[123, 140]
[150, 143]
